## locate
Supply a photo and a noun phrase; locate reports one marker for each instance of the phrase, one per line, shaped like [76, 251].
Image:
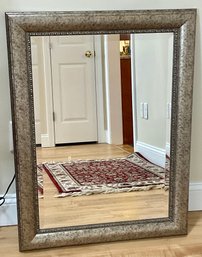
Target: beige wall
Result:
[6, 158]
[153, 75]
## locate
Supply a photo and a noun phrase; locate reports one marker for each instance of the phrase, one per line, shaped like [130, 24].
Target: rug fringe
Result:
[109, 191]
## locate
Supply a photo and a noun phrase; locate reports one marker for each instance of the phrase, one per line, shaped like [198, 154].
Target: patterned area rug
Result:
[133, 173]
[40, 179]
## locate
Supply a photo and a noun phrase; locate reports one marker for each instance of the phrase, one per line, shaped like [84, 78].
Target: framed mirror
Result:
[101, 108]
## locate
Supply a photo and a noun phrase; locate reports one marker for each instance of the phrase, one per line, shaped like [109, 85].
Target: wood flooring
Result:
[117, 204]
[100, 208]
[82, 152]
[175, 246]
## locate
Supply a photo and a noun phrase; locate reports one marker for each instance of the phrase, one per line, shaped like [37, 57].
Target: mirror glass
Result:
[102, 108]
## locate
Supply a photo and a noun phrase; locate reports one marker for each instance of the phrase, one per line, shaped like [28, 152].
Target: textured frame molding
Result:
[20, 26]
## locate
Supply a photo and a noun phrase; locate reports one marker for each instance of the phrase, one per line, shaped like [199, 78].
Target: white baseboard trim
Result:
[8, 211]
[102, 137]
[152, 153]
[45, 140]
[168, 149]
[195, 196]
[107, 136]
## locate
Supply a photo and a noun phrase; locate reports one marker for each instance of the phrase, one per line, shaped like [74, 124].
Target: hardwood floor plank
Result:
[176, 246]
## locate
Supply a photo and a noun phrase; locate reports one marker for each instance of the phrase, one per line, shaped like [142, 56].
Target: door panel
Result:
[73, 89]
[71, 110]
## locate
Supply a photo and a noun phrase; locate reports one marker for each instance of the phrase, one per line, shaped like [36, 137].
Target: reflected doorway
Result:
[126, 89]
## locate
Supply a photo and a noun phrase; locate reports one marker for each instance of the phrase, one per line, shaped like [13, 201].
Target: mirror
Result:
[77, 149]
[101, 105]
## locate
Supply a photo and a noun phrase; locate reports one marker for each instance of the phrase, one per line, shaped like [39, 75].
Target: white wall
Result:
[6, 158]
[152, 73]
[113, 89]
[151, 57]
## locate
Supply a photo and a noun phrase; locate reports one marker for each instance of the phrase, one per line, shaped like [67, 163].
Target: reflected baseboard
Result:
[195, 196]
[46, 141]
[152, 153]
[168, 149]
[8, 211]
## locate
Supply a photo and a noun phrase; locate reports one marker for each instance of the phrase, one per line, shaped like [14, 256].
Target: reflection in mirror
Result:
[153, 57]
[102, 122]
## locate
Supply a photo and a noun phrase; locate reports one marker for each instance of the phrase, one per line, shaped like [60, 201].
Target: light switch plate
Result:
[146, 111]
[142, 110]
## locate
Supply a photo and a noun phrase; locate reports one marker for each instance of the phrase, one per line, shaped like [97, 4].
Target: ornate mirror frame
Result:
[20, 26]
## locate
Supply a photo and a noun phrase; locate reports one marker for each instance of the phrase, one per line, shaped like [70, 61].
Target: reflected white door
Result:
[74, 94]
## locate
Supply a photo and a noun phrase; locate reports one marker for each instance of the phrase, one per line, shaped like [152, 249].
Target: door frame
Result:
[114, 131]
[134, 90]
[48, 139]
[99, 88]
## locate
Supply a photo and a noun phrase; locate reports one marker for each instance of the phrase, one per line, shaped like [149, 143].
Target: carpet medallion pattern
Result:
[132, 173]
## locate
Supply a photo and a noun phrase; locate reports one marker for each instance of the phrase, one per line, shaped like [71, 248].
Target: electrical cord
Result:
[2, 198]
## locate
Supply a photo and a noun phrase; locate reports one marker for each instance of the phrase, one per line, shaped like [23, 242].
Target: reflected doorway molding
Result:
[114, 132]
[48, 140]
[134, 93]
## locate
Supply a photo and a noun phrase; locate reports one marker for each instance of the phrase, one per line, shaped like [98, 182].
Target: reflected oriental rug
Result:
[132, 173]
[40, 179]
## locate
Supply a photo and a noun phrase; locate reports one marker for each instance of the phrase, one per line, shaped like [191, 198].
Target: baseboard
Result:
[8, 211]
[152, 153]
[168, 149]
[107, 136]
[195, 196]
[102, 137]
[45, 142]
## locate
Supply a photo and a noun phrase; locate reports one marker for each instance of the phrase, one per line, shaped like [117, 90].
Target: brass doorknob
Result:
[88, 54]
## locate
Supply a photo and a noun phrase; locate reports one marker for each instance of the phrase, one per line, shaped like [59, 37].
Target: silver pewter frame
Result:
[22, 25]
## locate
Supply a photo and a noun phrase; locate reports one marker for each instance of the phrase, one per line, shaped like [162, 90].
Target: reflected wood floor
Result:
[82, 152]
[100, 208]
[175, 246]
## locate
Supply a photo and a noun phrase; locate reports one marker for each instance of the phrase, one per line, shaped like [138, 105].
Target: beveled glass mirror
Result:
[101, 105]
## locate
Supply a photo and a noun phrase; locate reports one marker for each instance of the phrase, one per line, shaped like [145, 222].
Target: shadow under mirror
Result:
[102, 121]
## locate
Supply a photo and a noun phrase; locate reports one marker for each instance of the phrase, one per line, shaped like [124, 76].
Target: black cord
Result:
[2, 198]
